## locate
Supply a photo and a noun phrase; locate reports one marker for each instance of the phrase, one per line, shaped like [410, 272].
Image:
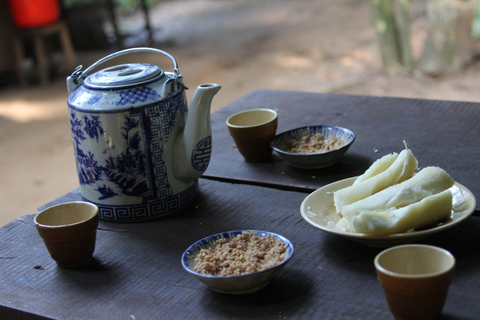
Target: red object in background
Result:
[34, 13]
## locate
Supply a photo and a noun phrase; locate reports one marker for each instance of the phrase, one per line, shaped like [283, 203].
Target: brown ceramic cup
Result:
[252, 131]
[69, 232]
[415, 280]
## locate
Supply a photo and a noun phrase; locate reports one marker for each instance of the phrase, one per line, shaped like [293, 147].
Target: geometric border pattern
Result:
[201, 154]
[133, 213]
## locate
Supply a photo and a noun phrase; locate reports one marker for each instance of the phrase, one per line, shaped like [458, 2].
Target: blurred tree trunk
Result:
[383, 16]
[392, 25]
[448, 44]
[403, 24]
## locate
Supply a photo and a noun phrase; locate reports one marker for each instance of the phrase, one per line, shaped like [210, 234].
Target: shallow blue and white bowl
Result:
[284, 141]
[239, 284]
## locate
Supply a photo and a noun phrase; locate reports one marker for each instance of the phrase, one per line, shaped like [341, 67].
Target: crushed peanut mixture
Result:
[315, 144]
[244, 254]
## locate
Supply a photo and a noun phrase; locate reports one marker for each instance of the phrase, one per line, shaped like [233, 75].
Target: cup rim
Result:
[249, 111]
[383, 270]
[65, 225]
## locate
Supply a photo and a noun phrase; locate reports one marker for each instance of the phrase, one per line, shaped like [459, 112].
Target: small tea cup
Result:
[252, 131]
[415, 279]
[69, 232]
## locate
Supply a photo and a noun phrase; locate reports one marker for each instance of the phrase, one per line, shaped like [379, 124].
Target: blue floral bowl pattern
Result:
[239, 284]
[283, 141]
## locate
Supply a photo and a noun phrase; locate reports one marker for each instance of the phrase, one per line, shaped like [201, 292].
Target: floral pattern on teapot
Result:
[126, 173]
[139, 148]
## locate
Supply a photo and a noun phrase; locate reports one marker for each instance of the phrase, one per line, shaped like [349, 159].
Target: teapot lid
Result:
[124, 75]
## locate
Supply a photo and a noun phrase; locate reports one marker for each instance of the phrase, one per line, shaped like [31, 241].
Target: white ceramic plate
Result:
[318, 210]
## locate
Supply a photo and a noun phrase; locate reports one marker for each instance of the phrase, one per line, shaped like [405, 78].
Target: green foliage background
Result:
[476, 24]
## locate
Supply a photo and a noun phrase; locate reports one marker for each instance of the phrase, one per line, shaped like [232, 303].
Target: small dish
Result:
[283, 141]
[318, 209]
[237, 284]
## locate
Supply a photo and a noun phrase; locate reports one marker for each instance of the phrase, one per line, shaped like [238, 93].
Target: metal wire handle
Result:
[75, 80]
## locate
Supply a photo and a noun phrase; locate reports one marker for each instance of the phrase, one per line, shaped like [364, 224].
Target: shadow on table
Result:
[283, 290]
[348, 166]
[104, 274]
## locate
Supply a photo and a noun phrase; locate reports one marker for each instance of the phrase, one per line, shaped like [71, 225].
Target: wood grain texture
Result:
[440, 133]
[137, 274]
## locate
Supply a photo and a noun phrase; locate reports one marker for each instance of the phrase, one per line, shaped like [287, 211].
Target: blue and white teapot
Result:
[138, 154]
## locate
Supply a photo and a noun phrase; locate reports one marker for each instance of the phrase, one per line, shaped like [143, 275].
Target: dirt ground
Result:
[306, 45]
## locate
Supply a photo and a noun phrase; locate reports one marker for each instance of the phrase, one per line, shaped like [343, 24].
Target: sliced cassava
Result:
[401, 169]
[427, 212]
[377, 167]
[426, 182]
[343, 225]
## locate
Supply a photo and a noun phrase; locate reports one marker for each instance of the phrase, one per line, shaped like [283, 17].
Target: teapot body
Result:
[124, 137]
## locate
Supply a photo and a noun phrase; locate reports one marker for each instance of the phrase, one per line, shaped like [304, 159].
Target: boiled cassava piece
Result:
[389, 198]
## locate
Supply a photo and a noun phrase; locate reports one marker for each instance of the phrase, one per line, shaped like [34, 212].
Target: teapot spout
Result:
[193, 147]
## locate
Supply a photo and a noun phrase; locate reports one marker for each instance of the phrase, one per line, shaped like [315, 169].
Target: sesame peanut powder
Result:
[244, 254]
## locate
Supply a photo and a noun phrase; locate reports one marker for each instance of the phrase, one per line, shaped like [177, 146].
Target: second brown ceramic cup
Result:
[252, 131]
[69, 232]
[415, 280]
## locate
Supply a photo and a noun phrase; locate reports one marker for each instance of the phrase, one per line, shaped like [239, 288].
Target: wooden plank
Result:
[440, 133]
[136, 272]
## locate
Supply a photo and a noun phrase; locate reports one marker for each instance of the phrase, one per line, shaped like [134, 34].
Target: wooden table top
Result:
[136, 272]
[439, 133]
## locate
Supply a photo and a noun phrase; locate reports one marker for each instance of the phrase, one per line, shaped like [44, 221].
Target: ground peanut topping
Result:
[316, 144]
[246, 253]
